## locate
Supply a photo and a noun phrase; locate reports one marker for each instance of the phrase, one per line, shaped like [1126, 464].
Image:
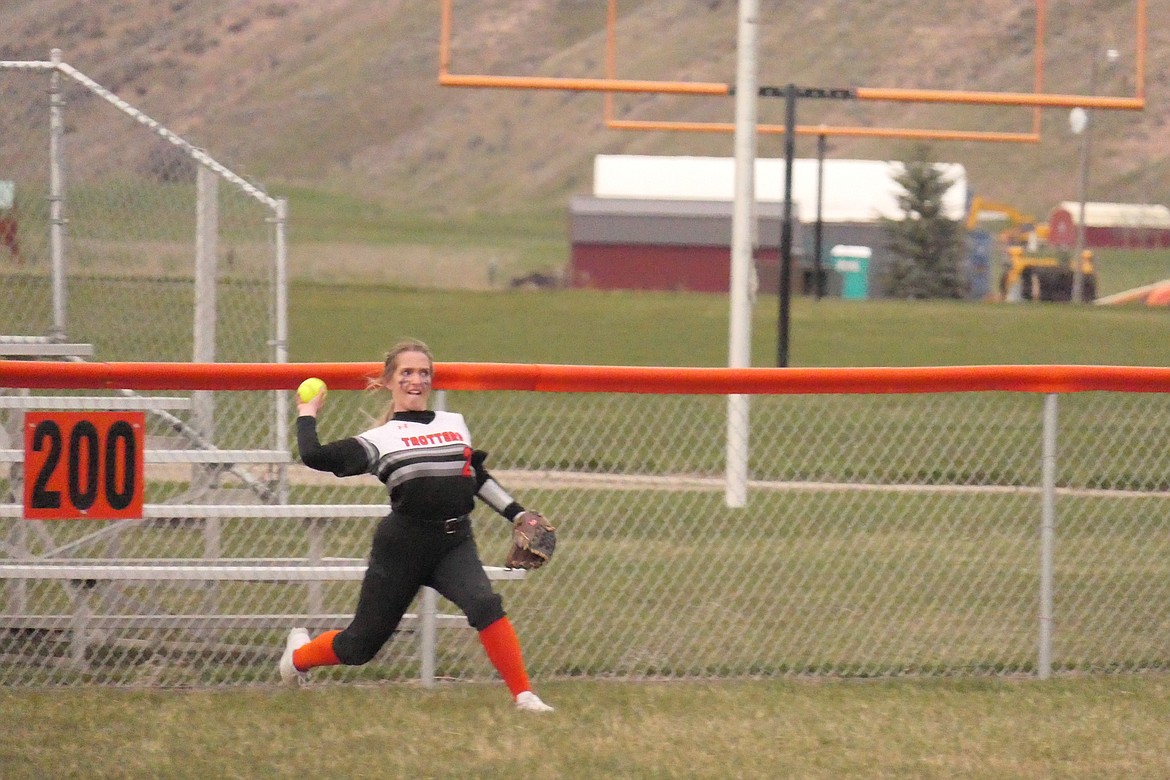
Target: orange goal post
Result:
[1136, 102]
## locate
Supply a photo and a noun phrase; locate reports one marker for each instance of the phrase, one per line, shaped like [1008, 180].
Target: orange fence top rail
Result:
[594, 379]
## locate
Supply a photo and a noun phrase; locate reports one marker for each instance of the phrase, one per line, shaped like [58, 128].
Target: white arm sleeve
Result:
[495, 496]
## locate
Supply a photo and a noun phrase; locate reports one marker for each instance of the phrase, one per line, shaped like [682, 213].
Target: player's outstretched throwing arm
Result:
[342, 458]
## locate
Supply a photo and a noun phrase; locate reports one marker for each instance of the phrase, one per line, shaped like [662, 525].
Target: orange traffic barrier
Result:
[1159, 296]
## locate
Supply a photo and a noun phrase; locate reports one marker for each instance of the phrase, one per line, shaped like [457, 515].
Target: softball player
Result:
[433, 476]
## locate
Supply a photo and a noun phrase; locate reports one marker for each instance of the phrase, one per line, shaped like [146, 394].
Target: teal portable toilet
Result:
[852, 262]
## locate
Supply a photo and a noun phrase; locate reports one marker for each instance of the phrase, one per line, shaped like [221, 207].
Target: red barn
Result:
[649, 244]
[1111, 225]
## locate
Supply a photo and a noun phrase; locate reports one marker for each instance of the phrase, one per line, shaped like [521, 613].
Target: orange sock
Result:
[318, 652]
[503, 650]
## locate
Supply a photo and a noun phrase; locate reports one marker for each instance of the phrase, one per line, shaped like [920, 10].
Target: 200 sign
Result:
[83, 465]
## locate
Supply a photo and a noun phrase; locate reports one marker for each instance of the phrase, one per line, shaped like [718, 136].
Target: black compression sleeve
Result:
[343, 458]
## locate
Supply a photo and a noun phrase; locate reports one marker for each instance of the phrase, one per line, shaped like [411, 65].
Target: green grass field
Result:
[977, 729]
[358, 322]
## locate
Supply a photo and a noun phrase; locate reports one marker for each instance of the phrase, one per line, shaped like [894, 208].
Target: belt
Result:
[452, 524]
[448, 526]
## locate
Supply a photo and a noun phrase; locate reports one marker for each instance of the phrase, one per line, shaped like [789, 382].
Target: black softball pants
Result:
[406, 555]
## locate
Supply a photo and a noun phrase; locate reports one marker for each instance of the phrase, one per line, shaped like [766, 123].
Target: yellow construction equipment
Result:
[1032, 270]
[1031, 278]
[1022, 230]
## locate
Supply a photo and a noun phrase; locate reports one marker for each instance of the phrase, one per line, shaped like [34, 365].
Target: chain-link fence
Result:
[977, 533]
[127, 243]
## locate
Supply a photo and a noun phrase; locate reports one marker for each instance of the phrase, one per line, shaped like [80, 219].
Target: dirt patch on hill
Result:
[411, 265]
[407, 265]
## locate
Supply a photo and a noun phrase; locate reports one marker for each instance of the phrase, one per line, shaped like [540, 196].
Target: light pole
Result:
[1081, 122]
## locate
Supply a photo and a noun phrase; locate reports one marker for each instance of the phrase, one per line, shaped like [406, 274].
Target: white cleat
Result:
[530, 702]
[289, 674]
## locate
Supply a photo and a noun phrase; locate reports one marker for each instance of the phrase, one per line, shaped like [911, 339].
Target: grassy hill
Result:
[337, 102]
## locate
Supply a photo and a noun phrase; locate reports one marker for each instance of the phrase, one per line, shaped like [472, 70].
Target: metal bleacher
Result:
[92, 585]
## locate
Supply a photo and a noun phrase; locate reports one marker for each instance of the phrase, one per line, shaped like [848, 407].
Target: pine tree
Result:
[929, 249]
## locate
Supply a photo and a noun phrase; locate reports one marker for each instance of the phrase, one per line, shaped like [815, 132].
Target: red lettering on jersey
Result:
[432, 438]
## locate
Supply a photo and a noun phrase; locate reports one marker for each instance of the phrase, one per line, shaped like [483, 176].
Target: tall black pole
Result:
[786, 225]
[818, 234]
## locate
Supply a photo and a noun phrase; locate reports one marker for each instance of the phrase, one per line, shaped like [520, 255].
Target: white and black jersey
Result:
[425, 459]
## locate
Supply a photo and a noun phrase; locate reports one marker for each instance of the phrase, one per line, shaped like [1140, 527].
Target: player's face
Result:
[411, 382]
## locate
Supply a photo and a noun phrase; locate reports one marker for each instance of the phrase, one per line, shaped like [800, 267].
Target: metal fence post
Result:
[206, 311]
[428, 608]
[57, 196]
[743, 227]
[1047, 536]
[280, 338]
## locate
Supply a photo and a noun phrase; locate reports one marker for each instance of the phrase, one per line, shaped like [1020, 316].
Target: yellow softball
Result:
[309, 389]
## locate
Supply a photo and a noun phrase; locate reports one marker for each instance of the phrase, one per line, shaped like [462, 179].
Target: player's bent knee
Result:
[484, 611]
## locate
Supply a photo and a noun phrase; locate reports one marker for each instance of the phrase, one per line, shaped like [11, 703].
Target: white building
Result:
[854, 196]
[852, 190]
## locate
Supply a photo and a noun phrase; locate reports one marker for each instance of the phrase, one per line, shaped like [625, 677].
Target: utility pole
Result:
[1081, 121]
